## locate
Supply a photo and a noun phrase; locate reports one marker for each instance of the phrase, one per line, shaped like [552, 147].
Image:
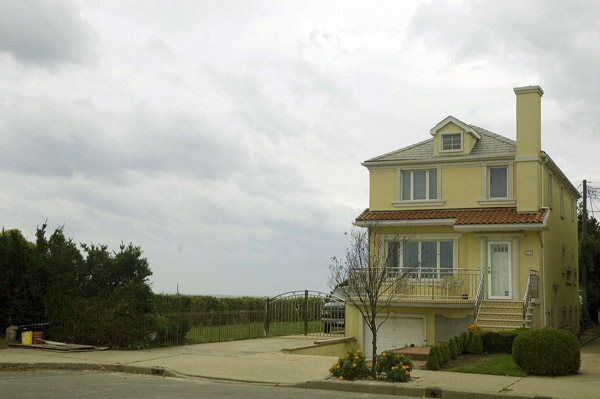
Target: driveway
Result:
[253, 360]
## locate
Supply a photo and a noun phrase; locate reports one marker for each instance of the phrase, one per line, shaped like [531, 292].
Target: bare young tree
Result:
[369, 278]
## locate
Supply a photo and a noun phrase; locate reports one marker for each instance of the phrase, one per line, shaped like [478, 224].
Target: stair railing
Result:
[480, 293]
[527, 297]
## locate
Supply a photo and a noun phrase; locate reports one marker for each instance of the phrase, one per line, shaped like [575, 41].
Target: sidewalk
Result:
[262, 361]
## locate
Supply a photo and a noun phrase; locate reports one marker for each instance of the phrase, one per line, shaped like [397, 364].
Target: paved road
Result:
[96, 385]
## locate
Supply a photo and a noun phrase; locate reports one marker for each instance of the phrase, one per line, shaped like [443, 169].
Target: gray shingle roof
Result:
[490, 143]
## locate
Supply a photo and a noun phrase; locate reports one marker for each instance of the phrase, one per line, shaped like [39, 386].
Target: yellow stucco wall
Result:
[382, 189]
[527, 186]
[461, 187]
[562, 235]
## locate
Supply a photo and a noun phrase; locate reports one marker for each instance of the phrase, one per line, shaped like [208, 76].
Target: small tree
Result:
[369, 278]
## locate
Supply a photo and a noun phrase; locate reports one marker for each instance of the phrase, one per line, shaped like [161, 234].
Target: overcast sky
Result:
[225, 137]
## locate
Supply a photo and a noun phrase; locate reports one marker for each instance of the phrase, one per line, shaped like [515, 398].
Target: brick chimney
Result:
[529, 146]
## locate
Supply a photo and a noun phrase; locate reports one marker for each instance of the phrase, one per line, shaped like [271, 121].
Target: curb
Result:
[122, 368]
[401, 389]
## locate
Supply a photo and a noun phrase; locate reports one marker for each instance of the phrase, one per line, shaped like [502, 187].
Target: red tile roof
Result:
[461, 216]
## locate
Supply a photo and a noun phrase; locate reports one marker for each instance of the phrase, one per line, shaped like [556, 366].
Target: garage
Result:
[395, 332]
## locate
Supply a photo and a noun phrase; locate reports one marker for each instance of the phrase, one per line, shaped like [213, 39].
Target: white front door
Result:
[499, 275]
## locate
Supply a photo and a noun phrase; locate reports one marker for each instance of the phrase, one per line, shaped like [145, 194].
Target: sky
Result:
[225, 137]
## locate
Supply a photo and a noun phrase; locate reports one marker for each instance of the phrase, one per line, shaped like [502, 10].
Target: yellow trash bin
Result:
[26, 337]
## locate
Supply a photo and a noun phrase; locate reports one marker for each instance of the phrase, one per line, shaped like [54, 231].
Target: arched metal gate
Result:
[305, 312]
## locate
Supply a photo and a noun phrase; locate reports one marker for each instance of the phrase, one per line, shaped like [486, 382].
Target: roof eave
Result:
[500, 227]
[433, 160]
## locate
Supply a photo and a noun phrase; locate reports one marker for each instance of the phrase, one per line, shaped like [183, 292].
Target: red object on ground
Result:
[38, 336]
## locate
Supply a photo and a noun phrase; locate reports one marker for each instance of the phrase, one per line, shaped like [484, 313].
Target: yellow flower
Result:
[383, 354]
[347, 354]
[355, 357]
[337, 367]
[353, 364]
[408, 373]
[341, 378]
[358, 351]
[369, 366]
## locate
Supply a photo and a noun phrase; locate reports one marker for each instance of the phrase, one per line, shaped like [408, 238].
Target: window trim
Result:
[420, 202]
[485, 184]
[385, 239]
[562, 203]
[441, 142]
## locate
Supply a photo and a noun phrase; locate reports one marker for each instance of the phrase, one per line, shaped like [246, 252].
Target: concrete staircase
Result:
[502, 315]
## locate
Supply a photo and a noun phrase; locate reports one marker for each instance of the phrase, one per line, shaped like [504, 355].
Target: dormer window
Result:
[451, 142]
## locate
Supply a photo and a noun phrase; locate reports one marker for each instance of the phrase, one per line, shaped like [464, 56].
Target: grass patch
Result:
[3, 343]
[234, 332]
[502, 364]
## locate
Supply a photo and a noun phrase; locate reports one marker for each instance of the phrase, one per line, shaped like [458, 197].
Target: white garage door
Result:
[396, 332]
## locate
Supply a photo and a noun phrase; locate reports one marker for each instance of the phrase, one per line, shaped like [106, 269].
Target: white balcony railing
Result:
[423, 285]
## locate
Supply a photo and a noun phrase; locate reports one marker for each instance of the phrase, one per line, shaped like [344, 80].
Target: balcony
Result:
[421, 285]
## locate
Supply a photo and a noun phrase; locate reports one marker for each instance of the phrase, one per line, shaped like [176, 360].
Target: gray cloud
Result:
[43, 136]
[46, 32]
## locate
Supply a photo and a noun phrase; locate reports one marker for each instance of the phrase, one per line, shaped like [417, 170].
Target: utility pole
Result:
[583, 265]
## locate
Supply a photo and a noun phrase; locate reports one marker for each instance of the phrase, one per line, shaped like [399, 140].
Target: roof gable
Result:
[450, 119]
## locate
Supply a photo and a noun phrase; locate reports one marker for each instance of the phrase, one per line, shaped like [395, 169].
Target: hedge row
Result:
[444, 351]
[547, 351]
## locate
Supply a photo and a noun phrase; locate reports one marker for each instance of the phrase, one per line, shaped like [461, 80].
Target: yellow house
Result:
[484, 228]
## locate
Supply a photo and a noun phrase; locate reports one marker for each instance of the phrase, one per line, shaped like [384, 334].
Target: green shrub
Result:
[350, 367]
[493, 342]
[459, 344]
[468, 341]
[463, 341]
[444, 352]
[453, 348]
[509, 337]
[393, 366]
[433, 360]
[548, 351]
[475, 344]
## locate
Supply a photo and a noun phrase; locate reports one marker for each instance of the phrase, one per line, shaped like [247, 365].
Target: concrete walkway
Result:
[262, 360]
[255, 360]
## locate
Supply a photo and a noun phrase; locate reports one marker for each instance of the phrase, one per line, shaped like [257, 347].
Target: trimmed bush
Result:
[433, 360]
[463, 341]
[350, 367]
[444, 349]
[393, 366]
[493, 342]
[548, 351]
[453, 348]
[475, 344]
[509, 337]
[468, 341]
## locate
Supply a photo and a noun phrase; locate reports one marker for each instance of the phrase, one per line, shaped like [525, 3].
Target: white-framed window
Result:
[419, 185]
[498, 182]
[550, 190]
[451, 142]
[421, 258]
[562, 203]
[573, 209]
